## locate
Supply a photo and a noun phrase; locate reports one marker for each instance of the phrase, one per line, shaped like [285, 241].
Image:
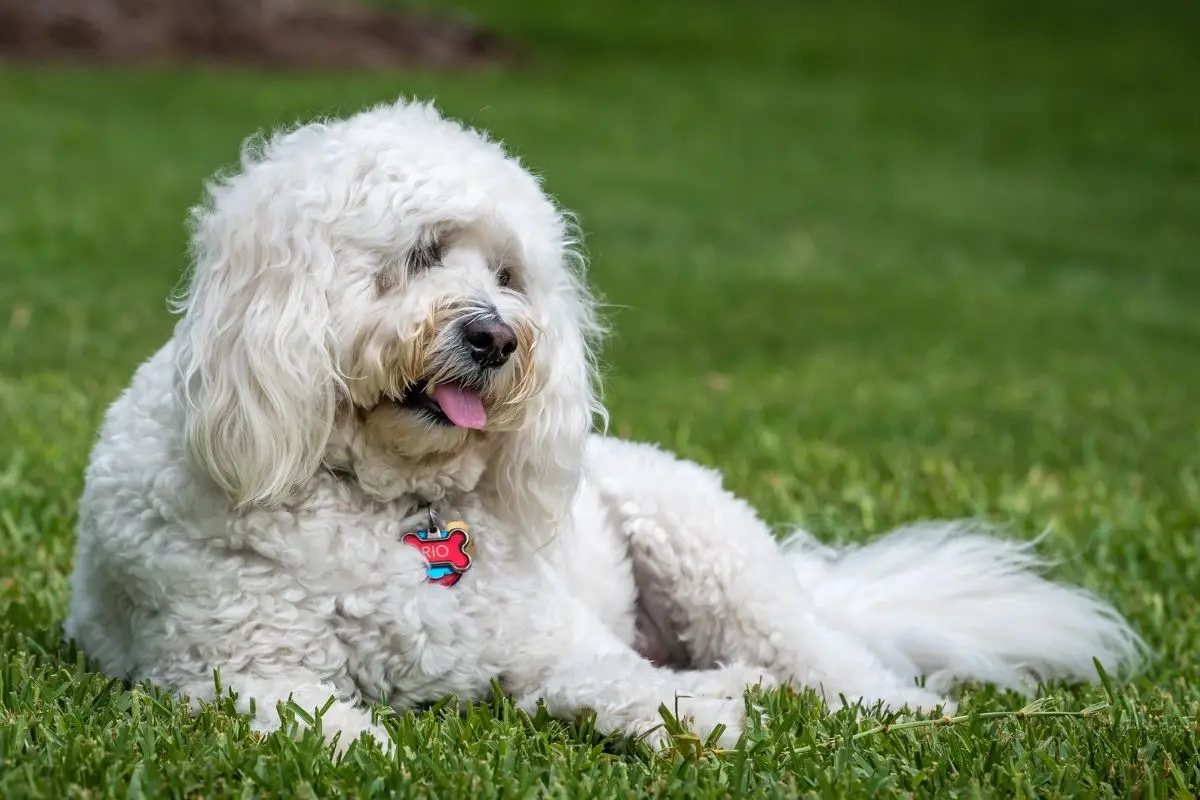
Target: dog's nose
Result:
[491, 340]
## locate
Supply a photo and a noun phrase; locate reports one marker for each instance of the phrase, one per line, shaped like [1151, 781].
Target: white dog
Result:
[386, 351]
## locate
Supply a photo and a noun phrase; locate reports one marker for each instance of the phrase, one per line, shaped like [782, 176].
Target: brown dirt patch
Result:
[261, 33]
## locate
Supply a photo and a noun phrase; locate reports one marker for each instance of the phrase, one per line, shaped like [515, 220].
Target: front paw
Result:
[353, 733]
[708, 699]
[728, 682]
[699, 716]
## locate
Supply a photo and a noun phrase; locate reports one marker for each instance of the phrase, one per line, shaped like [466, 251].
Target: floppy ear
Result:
[255, 374]
[540, 465]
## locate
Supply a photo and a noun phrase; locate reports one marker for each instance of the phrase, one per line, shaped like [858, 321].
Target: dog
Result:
[365, 470]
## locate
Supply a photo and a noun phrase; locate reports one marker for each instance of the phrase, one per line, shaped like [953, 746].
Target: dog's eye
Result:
[424, 256]
[504, 277]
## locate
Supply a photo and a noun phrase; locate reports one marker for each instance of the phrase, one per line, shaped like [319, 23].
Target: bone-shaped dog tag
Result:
[447, 550]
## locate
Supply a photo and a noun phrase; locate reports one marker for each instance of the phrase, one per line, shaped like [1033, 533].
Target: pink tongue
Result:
[462, 406]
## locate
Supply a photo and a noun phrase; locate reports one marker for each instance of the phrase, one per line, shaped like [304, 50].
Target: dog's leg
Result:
[710, 572]
[263, 653]
[572, 662]
[261, 694]
[748, 606]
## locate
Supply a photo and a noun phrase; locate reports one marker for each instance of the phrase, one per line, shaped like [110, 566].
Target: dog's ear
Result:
[256, 377]
[540, 465]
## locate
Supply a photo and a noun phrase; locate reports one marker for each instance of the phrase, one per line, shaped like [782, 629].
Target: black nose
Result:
[491, 340]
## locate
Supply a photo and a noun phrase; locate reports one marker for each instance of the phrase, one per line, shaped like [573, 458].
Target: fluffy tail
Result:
[950, 602]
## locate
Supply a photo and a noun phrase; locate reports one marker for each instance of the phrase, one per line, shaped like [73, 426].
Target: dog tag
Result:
[447, 550]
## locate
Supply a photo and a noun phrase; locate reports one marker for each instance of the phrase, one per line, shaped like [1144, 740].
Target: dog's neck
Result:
[417, 483]
[391, 477]
[469, 483]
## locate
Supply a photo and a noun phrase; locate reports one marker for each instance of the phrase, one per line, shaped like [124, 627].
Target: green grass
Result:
[876, 264]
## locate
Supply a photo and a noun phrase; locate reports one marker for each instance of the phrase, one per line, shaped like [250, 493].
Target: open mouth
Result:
[450, 404]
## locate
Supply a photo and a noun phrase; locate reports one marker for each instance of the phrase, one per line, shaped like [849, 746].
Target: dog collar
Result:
[447, 549]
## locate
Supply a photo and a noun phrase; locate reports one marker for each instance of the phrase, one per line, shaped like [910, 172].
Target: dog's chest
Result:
[411, 639]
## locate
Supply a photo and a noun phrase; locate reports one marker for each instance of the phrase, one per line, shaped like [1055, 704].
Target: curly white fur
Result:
[247, 496]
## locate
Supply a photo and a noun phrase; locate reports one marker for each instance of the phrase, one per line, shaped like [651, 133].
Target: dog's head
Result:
[392, 297]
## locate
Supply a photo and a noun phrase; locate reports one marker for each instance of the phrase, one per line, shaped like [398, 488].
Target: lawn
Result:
[876, 264]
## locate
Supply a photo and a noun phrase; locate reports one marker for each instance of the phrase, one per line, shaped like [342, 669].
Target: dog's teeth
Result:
[429, 389]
